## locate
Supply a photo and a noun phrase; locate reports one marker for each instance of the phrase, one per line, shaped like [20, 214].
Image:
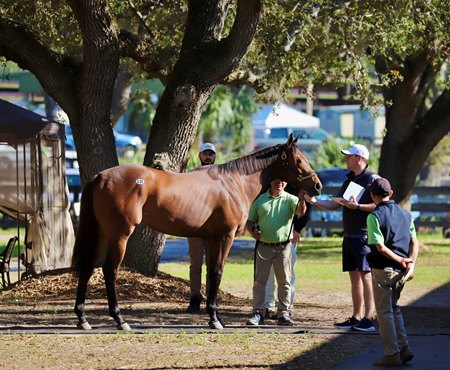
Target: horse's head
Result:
[293, 167]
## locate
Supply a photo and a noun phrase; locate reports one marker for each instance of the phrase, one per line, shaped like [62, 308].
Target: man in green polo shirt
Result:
[270, 223]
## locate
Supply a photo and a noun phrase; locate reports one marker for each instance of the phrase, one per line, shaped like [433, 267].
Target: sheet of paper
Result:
[354, 189]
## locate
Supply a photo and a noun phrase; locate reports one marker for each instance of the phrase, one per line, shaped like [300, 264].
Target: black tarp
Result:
[18, 124]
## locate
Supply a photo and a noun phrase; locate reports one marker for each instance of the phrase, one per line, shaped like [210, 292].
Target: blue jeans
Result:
[271, 286]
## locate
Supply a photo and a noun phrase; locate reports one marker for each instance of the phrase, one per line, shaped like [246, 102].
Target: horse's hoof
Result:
[216, 325]
[124, 327]
[84, 326]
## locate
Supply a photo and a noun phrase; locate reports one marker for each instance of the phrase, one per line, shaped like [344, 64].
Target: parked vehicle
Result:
[126, 145]
[334, 176]
[71, 159]
[7, 157]
[74, 185]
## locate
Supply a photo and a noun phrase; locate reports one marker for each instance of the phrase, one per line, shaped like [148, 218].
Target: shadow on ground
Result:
[427, 322]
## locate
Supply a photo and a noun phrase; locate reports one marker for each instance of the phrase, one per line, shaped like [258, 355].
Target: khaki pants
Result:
[197, 249]
[280, 259]
[390, 319]
[270, 299]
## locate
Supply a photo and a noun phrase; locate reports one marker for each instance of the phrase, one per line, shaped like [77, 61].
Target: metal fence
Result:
[430, 207]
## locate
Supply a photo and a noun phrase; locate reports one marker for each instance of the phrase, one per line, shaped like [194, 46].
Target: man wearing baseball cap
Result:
[354, 245]
[207, 154]
[197, 246]
[392, 238]
[357, 149]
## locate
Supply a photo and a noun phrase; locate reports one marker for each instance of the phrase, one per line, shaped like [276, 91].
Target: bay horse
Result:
[210, 202]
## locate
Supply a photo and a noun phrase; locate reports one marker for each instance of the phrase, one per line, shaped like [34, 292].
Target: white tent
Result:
[282, 115]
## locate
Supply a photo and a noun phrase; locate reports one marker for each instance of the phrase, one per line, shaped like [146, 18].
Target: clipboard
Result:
[354, 190]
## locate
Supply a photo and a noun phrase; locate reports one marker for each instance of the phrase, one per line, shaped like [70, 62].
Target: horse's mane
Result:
[250, 163]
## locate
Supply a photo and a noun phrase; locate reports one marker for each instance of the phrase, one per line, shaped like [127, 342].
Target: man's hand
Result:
[310, 200]
[408, 275]
[406, 262]
[253, 228]
[256, 232]
[352, 203]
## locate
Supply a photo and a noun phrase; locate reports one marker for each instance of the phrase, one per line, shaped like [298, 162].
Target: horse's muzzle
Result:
[314, 186]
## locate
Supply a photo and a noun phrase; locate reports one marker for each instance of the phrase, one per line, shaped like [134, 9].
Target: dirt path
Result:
[45, 305]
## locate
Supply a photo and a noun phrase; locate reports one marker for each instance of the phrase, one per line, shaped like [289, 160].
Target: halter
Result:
[302, 176]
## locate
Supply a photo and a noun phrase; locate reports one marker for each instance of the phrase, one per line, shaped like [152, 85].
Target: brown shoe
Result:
[387, 361]
[406, 354]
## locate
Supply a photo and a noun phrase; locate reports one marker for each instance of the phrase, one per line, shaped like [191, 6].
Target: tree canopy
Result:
[395, 53]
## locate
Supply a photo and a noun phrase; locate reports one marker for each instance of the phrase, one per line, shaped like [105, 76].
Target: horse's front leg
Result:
[110, 271]
[214, 279]
[216, 254]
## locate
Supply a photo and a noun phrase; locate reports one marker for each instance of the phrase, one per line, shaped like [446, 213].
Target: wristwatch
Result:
[358, 206]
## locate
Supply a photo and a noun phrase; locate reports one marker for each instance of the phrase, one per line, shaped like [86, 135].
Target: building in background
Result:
[348, 121]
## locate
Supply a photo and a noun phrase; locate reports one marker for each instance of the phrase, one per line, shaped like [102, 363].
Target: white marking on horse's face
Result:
[140, 181]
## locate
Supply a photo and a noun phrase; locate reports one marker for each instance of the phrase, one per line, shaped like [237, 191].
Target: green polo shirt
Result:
[274, 216]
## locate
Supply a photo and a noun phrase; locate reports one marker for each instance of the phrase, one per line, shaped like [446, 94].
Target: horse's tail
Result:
[86, 242]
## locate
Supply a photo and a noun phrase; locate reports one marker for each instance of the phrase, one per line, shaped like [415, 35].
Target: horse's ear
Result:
[290, 140]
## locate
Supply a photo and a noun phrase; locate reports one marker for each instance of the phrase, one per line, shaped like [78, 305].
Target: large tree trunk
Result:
[82, 89]
[412, 130]
[204, 61]
[91, 127]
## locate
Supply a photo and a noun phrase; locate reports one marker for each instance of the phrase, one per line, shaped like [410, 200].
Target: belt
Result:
[281, 244]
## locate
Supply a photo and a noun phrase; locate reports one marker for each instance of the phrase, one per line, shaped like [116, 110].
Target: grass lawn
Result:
[319, 266]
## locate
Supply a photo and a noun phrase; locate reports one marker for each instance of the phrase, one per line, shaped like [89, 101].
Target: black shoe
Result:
[347, 324]
[285, 320]
[255, 319]
[194, 305]
[364, 325]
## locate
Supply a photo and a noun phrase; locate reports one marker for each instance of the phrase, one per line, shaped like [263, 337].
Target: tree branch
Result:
[157, 63]
[245, 77]
[141, 18]
[437, 119]
[204, 54]
[54, 72]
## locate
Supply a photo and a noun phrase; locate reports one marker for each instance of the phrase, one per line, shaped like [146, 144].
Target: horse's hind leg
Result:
[110, 272]
[79, 309]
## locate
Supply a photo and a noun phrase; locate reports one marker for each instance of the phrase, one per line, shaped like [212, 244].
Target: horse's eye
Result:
[298, 161]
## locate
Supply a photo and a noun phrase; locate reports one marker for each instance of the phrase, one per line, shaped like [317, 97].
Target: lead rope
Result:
[281, 250]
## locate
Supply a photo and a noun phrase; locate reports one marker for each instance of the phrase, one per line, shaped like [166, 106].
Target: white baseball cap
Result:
[357, 149]
[207, 146]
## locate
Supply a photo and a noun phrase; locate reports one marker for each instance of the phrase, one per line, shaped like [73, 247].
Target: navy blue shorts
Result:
[354, 254]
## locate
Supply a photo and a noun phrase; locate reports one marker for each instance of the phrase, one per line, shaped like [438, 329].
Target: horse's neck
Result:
[253, 184]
